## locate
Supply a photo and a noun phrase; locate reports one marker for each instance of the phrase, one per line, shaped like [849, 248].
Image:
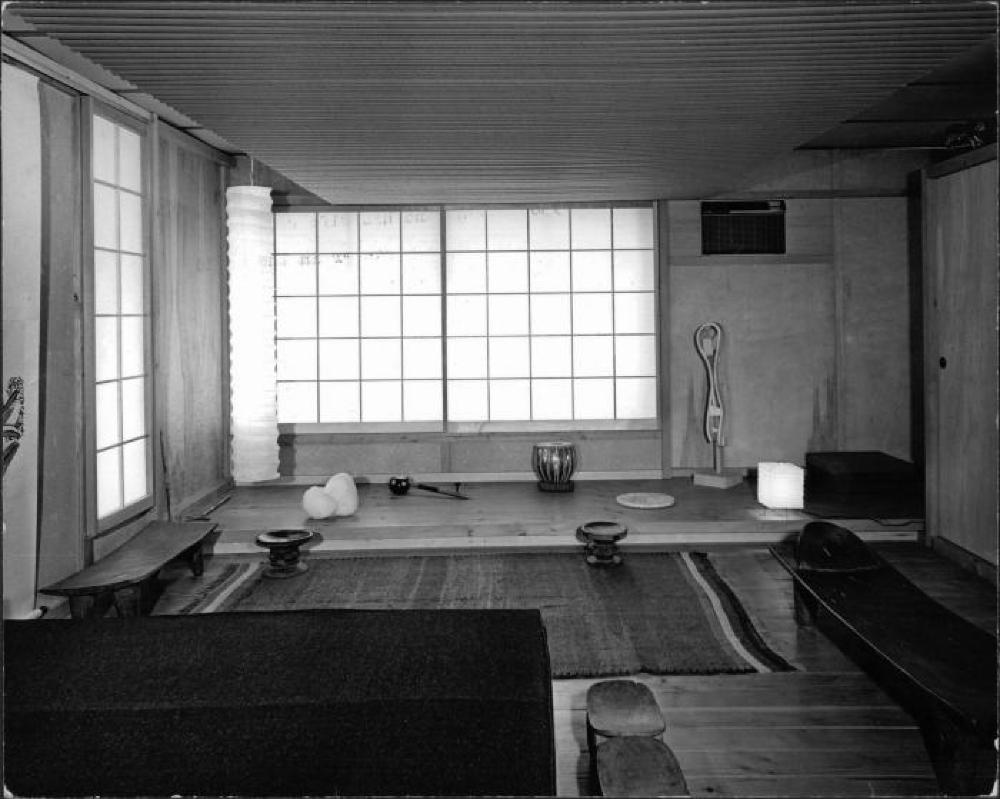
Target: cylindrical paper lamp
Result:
[780, 485]
[253, 372]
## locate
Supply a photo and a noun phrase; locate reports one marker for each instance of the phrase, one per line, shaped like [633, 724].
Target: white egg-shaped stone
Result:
[342, 488]
[318, 504]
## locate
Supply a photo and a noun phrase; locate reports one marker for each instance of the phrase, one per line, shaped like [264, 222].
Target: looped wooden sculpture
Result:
[708, 343]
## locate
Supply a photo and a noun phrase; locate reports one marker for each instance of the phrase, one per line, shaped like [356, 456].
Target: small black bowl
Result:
[399, 485]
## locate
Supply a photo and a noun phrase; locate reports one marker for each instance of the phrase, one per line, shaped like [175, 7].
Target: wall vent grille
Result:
[743, 228]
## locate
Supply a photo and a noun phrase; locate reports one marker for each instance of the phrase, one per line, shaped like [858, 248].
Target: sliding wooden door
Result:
[960, 228]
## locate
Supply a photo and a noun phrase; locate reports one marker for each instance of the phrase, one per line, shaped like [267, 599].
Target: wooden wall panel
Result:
[960, 214]
[189, 302]
[776, 368]
[22, 212]
[858, 173]
[817, 342]
[61, 463]
[808, 235]
[873, 395]
[491, 454]
[321, 455]
[598, 451]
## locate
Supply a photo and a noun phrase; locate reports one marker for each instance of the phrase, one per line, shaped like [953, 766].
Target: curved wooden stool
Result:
[623, 707]
[619, 709]
[636, 765]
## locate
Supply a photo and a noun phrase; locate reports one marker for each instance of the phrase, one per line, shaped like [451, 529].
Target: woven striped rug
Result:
[660, 613]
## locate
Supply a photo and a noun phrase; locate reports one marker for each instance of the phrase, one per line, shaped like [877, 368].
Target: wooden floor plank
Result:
[807, 717]
[755, 732]
[819, 717]
[777, 763]
[802, 785]
[798, 786]
[757, 764]
[733, 691]
[887, 743]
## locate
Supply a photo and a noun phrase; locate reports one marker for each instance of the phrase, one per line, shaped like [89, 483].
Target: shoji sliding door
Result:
[119, 321]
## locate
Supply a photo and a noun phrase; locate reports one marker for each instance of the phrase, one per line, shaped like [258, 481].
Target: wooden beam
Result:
[183, 139]
[19, 52]
[662, 250]
[963, 161]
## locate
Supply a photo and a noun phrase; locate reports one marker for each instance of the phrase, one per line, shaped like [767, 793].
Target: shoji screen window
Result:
[358, 301]
[551, 314]
[122, 443]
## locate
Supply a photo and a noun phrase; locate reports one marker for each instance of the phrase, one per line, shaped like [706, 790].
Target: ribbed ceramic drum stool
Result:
[554, 463]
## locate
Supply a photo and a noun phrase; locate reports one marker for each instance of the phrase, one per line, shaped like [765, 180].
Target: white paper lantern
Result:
[253, 371]
[780, 485]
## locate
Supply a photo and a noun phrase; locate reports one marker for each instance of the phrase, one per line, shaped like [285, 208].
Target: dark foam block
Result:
[859, 471]
[312, 702]
[862, 484]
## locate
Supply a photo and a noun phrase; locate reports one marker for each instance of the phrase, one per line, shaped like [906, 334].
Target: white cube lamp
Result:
[780, 485]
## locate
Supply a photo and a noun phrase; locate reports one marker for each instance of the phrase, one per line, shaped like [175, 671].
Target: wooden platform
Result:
[518, 515]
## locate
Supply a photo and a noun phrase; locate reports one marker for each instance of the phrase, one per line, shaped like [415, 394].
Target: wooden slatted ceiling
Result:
[517, 102]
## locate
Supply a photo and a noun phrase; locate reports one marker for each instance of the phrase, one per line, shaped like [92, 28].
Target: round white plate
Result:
[645, 500]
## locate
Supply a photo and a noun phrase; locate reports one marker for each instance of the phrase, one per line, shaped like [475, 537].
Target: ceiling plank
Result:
[458, 102]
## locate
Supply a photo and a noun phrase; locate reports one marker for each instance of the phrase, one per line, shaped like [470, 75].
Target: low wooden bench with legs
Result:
[940, 667]
[121, 577]
[626, 756]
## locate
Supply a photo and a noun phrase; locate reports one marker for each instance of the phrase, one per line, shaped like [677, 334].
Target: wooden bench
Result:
[940, 667]
[121, 576]
[626, 756]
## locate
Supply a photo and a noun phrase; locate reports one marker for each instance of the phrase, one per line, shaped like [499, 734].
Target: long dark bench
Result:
[940, 667]
[121, 577]
[288, 703]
